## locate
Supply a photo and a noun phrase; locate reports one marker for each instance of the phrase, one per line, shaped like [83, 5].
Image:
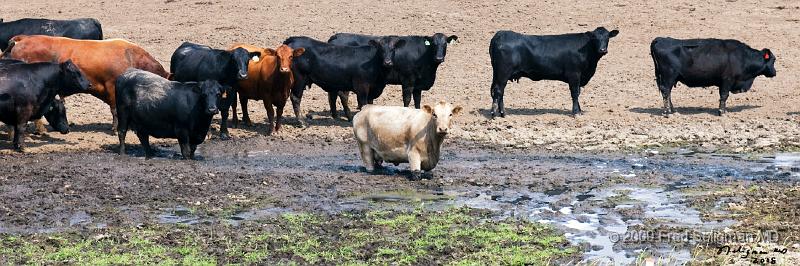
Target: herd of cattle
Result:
[44, 61]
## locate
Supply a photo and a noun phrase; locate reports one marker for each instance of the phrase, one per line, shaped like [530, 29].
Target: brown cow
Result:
[100, 61]
[269, 79]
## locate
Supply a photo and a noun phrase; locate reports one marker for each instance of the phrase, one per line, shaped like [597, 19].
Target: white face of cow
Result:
[442, 116]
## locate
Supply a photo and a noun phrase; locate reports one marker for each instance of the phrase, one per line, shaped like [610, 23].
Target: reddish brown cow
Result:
[269, 79]
[100, 61]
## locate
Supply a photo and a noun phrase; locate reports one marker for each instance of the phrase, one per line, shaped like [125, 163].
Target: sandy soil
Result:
[621, 102]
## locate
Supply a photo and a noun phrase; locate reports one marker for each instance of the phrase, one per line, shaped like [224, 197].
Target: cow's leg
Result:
[497, 90]
[235, 117]
[362, 98]
[332, 104]
[366, 156]
[415, 164]
[40, 129]
[192, 150]
[666, 97]
[408, 90]
[115, 121]
[575, 93]
[245, 113]
[344, 97]
[270, 116]
[279, 114]
[724, 92]
[11, 133]
[297, 96]
[417, 98]
[183, 141]
[19, 130]
[224, 111]
[144, 139]
[122, 131]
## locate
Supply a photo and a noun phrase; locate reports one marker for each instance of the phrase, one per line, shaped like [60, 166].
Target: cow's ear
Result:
[374, 43]
[767, 54]
[428, 109]
[428, 41]
[399, 43]
[452, 39]
[298, 52]
[613, 33]
[456, 110]
[269, 52]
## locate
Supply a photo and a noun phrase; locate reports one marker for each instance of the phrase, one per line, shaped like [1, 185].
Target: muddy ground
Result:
[618, 169]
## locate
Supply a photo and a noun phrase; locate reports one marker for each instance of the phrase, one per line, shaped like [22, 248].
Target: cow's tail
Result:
[99, 28]
[656, 67]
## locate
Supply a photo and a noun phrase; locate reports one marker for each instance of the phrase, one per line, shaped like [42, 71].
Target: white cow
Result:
[403, 135]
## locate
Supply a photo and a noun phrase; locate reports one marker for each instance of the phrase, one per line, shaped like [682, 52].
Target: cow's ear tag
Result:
[255, 58]
[766, 56]
[427, 43]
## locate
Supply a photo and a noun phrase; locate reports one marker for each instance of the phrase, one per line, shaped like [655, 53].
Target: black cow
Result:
[194, 62]
[155, 106]
[84, 29]
[571, 58]
[728, 64]
[415, 60]
[336, 69]
[28, 92]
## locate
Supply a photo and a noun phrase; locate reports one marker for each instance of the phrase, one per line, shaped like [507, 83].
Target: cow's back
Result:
[101, 61]
[389, 130]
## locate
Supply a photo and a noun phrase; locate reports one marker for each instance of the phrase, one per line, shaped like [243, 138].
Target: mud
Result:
[594, 198]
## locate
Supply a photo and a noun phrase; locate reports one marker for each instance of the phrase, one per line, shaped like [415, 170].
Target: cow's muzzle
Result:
[285, 70]
[439, 59]
[212, 111]
[242, 75]
[388, 63]
[603, 51]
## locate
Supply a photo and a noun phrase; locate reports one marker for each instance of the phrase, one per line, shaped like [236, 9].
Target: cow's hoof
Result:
[722, 113]
[19, 149]
[577, 114]
[415, 176]
[224, 136]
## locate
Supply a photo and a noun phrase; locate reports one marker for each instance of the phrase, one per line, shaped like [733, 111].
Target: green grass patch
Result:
[457, 236]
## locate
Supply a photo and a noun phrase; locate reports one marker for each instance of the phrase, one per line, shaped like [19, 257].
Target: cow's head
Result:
[769, 60]
[210, 92]
[599, 38]
[241, 58]
[441, 116]
[56, 116]
[386, 47]
[73, 80]
[285, 55]
[439, 42]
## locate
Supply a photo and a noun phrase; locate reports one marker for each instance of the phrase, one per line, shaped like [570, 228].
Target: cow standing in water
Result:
[100, 61]
[415, 60]
[728, 64]
[269, 79]
[154, 106]
[396, 135]
[28, 92]
[82, 29]
[571, 58]
[195, 62]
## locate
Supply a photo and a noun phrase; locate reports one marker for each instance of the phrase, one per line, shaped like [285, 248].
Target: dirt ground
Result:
[63, 179]
[621, 102]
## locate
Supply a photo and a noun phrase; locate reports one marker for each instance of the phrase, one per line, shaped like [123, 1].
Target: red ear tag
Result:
[766, 56]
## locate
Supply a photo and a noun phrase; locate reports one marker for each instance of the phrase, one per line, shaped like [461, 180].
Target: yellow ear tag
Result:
[255, 58]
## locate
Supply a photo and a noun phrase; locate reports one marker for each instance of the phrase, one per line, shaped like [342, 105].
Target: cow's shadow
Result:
[93, 127]
[6, 142]
[487, 113]
[386, 170]
[793, 113]
[693, 110]
[136, 150]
